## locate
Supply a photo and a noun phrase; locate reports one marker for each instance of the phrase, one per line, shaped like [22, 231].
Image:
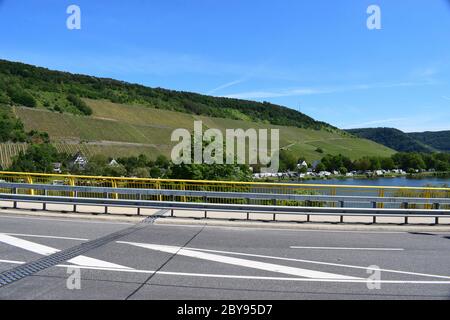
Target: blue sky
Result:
[315, 56]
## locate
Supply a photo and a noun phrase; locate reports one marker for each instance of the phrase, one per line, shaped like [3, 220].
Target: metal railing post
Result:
[29, 180]
[72, 183]
[381, 195]
[115, 195]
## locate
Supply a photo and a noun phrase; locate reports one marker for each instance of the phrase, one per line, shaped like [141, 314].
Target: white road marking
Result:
[46, 250]
[241, 262]
[348, 248]
[266, 257]
[42, 236]
[225, 276]
[321, 263]
[11, 261]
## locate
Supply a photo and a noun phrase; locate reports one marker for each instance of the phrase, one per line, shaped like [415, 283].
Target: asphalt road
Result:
[206, 262]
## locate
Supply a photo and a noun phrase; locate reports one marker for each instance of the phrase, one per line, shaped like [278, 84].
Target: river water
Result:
[397, 182]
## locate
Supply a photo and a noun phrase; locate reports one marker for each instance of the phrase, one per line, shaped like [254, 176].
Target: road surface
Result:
[206, 262]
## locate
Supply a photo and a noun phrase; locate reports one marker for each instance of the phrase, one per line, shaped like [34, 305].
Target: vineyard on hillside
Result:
[8, 151]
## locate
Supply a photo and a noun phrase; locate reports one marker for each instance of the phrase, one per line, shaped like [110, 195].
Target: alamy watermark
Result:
[74, 280]
[208, 147]
[374, 20]
[73, 21]
[374, 280]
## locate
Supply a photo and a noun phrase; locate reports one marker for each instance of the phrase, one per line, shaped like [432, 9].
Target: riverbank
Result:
[440, 179]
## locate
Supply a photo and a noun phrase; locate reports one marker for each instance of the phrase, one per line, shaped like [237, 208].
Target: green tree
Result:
[37, 158]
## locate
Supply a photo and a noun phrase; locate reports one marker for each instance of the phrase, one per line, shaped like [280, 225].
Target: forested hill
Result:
[393, 138]
[30, 86]
[439, 139]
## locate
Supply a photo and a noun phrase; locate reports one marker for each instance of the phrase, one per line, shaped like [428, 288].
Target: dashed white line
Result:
[348, 248]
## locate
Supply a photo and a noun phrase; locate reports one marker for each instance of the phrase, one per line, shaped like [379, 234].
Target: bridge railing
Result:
[222, 187]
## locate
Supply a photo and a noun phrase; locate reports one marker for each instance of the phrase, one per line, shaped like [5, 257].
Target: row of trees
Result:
[41, 157]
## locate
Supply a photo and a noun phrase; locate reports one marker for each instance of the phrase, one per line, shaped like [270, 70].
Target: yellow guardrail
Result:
[223, 186]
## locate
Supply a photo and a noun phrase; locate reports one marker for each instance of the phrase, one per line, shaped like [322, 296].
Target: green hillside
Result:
[104, 116]
[394, 139]
[30, 86]
[439, 140]
[116, 128]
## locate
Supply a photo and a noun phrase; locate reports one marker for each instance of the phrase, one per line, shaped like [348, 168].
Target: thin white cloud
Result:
[375, 122]
[318, 90]
[226, 85]
[446, 98]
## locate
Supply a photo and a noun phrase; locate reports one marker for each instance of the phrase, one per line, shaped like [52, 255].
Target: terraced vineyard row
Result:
[8, 151]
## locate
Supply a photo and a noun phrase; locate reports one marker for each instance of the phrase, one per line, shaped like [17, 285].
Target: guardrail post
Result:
[171, 212]
[406, 219]
[342, 204]
[341, 219]
[437, 206]
[374, 219]
[436, 220]
[308, 218]
[138, 211]
[374, 205]
[206, 214]
[106, 209]
[405, 205]
[74, 208]
[274, 217]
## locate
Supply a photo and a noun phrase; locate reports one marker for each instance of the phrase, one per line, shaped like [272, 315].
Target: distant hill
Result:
[392, 138]
[437, 139]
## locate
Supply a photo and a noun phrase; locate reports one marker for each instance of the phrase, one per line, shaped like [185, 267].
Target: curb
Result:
[310, 226]
[83, 216]
[301, 226]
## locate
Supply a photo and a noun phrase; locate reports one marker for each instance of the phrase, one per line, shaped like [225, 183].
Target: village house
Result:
[79, 160]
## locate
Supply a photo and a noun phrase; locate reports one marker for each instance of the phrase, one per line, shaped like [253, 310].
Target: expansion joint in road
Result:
[30, 268]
